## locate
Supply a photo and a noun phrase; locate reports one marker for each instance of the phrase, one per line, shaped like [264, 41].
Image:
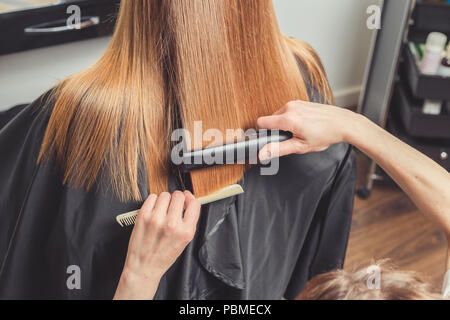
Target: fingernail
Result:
[265, 155]
[188, 193]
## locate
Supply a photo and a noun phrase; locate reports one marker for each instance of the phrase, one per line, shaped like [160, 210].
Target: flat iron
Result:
[242, 152]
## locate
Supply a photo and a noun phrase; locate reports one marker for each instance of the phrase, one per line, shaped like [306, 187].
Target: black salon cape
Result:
[265, 244]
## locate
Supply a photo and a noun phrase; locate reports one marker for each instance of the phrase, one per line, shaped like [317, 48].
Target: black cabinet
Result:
[436, 149]
[428, 133]
[429, 17]
[37, 27]
[424, 86]
[394, 91]
[417, 124]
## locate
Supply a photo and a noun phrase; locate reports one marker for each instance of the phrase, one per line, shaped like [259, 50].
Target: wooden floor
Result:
[388, 225]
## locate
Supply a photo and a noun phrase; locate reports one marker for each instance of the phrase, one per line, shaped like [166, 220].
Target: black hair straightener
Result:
[242, 152]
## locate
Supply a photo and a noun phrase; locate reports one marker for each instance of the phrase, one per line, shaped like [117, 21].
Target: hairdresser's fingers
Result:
[147, 208]
[193, 208]
[277, 122]
[281, 111]
[162, 205]
[295, 106]
[275, 150]
[175, 212]
[142, 223]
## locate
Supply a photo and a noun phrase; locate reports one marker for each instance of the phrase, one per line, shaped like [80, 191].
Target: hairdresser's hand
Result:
[315, 127]
[159, 237]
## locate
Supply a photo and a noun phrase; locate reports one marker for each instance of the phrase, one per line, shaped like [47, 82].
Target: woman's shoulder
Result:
[21, 133]
[321, 164]
[312, 70]
[306, 173]
[19, 116]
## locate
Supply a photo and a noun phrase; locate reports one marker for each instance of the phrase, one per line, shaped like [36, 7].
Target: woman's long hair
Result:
[170, 63]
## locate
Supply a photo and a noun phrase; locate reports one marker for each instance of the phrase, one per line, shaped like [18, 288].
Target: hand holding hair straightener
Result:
[316, 127]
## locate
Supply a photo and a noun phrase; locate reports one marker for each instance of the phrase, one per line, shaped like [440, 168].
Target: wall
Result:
[26, 75]
[335, 28]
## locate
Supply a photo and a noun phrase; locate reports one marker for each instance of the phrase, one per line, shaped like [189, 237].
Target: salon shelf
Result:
[431, 16]
[423, 86]
[436, 149]
[15, 26]
[416, 123]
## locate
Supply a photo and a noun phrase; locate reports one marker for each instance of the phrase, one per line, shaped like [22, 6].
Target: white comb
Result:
[129, 219]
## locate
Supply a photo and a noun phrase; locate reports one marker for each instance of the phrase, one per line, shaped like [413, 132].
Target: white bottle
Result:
[432, 57]
[432, 107]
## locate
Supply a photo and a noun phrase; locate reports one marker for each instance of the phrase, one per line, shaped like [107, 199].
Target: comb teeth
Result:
[129, 219]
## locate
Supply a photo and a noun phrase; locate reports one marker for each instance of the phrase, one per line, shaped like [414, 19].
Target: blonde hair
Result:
[172, 62]
[346, 285]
